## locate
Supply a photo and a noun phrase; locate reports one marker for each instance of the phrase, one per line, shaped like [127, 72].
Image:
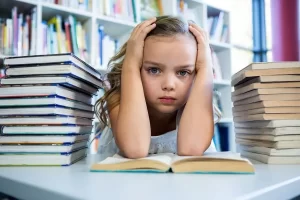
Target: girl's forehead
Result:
[172, 38]
[170, 48]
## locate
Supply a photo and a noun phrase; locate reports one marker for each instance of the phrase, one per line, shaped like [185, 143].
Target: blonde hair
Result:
[165, 26]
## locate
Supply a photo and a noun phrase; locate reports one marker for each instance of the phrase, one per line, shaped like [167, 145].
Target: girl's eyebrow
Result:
[162, 65]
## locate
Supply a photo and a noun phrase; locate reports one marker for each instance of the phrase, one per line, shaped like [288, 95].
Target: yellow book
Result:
[57, 21]
[215, 162]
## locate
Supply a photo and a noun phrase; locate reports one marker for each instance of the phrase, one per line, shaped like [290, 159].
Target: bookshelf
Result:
[119, 29]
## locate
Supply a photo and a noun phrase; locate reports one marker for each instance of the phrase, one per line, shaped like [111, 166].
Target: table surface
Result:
[77, 182]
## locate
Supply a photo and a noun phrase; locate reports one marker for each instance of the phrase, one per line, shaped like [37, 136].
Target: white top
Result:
[165, 143]
[76, 182]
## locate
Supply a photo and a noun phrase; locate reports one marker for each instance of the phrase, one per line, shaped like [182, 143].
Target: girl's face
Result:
[168, 71]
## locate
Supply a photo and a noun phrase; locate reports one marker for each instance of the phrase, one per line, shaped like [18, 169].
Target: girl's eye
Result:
[153, 70]
[182, 73]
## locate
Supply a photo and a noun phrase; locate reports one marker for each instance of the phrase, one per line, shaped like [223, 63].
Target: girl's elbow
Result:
[135, 153]
[196, 149]
[189, 151]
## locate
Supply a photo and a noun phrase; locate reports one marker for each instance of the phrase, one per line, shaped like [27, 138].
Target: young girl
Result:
[160, 94]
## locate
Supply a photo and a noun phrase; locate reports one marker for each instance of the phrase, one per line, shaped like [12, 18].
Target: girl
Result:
[160, 94]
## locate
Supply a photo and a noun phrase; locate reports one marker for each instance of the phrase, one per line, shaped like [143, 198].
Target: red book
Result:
[68, 37]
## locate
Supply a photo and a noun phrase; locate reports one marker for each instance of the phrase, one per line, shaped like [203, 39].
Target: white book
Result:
[270, 144]
[271, 159]
[66, 81]
[49, 130]
[270, 151]
[262, 68]
[55, 69]
[274, 138]
[42, 148]
[60, 159]
[268, 124]
[43, 91]
[45, 139]
[41, 101]
[52, 58]
[212, 162]
[268, 131]
[35, 111]
[45, 120]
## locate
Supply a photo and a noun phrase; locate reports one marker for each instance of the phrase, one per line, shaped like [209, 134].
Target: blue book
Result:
[65, 58]
[58, 139]
[31, 91]
[42, 159]
[65, 80]
[36, 130]
[64, 148]
[69, 69]
[101, 36]
[209, 163]
[38, 102]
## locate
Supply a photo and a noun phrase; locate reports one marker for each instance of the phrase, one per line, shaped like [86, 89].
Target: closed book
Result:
[67, 58]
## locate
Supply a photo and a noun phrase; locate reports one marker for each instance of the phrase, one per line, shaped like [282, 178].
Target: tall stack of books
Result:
[45, 109]
[266, 112]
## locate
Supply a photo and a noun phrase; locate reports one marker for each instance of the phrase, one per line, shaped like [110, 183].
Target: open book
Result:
[216, 162]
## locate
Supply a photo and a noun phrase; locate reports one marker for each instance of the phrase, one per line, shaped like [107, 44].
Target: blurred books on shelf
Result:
[125, 9]
[106, 48]
[150, 8]
[76, 4]
[188, 12]
[65, 36]
[18, 34]
[217, 28]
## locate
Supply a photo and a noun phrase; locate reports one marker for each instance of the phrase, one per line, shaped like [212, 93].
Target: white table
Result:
[76, 182]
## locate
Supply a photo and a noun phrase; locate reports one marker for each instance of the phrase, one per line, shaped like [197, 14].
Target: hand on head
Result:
[135, 44]
[204, 52]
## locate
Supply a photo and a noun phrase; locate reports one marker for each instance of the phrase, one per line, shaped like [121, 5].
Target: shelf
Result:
[49, 10]
[115, 27]
[2, 56]
[221, 83]
[213, 10]
[219, 46]
[194, 3]
[226, 120]
[22, 5]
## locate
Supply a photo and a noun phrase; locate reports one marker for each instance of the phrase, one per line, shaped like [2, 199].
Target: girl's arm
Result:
[196, 125]
[130, 120]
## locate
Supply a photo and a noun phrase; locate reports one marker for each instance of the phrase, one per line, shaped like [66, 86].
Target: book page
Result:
[211, 155]
[165, 158]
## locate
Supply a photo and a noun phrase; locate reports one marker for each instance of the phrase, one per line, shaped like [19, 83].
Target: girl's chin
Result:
[166, 109]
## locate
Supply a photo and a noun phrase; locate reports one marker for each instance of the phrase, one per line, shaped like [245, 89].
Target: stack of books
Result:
[45, 109]
[266, 112]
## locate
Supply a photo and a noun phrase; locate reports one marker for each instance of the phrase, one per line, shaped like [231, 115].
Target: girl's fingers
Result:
[199, 37]
[142, 26]
[148, 22]
[146, 30]
[198, 28]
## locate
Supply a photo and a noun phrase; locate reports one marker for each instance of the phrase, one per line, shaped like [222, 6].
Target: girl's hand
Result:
[204, 58]
[135, 44]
